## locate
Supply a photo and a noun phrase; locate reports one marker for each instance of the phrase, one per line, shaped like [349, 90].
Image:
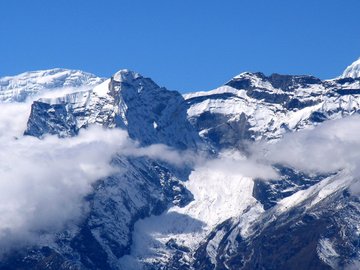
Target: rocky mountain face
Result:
[157, 216]
[149, 113]
[259, 107]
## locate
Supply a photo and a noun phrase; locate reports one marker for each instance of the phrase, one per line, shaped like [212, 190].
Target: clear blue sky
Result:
[182, 44]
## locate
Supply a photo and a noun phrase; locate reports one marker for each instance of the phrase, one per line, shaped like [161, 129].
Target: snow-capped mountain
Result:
[159, 216]
[256, 107]
[18, 88]
[352, 71]
[149, 113]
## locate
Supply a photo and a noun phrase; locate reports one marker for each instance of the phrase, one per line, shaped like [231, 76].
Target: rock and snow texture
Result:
[18, 88]
[352, 71]
[154, 215]
[219, 195]
[254, 106]
[127, 100]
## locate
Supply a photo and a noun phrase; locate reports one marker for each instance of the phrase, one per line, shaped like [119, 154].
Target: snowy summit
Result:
[352, 71]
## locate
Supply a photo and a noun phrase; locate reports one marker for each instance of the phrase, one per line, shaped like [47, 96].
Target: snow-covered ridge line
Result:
[28, 84]
[352, 71]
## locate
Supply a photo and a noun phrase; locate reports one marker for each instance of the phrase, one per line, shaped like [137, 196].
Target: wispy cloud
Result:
[43, 182]
[327, 148]
[233, 162]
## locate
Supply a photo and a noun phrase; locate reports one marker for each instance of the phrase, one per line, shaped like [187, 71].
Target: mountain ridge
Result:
[194, 217]
[61, 77]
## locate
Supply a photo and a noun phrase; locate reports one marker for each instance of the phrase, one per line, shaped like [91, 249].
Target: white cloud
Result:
[233, 162]
[43, 182]
[13, 119]
[163, 153]
[327, 148]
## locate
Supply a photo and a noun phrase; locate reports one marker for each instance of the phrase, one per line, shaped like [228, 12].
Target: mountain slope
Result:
[207, 215]
[18, 88]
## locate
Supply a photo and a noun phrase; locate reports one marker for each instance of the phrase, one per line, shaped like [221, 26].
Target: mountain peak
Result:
[132, 82]
[247, 74]
[125, 75]
[249, 80]
[352, 71]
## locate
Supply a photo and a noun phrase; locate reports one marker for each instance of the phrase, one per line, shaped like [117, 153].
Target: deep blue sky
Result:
[182, 44]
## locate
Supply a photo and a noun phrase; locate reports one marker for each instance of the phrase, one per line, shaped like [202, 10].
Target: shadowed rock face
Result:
[286, 83]
[223, 132]
[51, 119]
[289, 82]
[269, 193]
[153, 114]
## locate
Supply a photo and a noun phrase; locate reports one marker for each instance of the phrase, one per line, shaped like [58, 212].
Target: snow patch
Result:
[352, 71]
[218, 196]
[327, 253]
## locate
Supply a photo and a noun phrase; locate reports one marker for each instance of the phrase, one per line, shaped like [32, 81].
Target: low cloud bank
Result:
[43, 182]
[232, 162]
[327, 148]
